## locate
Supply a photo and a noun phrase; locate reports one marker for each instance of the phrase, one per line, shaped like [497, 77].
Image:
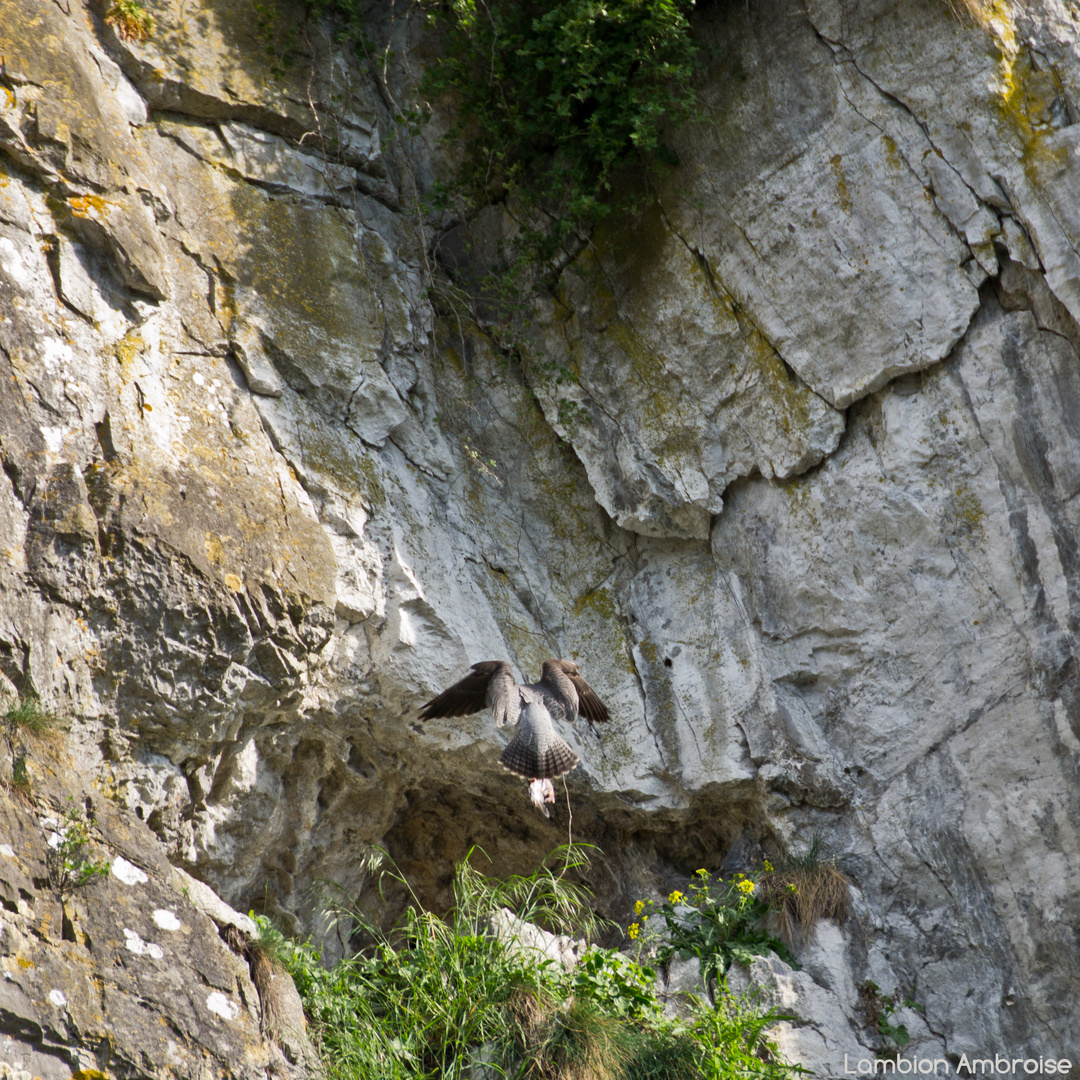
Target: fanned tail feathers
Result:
[525, 757]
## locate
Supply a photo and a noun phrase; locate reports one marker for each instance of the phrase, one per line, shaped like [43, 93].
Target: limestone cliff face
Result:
[813, 531]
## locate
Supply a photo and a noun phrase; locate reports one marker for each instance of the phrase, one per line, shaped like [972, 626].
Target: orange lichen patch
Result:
[234, 583]
[88, 206]
[215, 548]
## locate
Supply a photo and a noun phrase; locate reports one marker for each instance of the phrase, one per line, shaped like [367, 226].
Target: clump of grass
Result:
[978, 11]
[577, 1042]
[734, 1038]
[804, 889]
[131, 20]
[27, 717]
[22, 725]
[267, 955]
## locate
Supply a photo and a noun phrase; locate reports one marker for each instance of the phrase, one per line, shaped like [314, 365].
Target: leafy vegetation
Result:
[70, 863]
[448, 997]
[718, 921]
[131, 19]
[553, 97]
[549, 99]
[879, 1009]
[24, 722]
[731, 921]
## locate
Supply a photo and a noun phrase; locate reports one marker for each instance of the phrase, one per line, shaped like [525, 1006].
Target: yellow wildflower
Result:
[633, 930]
[768, 866]
[639, 907]
[676, 896]
[702, 873]
[746, 886]
[791, 887]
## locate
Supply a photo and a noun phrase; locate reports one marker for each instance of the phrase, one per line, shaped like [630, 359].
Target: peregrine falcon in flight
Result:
[537, 752]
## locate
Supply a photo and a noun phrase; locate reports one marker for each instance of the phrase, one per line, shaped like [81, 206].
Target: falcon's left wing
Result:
[589, 705]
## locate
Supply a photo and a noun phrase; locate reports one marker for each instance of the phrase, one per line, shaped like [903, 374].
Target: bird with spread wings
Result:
[537, 751]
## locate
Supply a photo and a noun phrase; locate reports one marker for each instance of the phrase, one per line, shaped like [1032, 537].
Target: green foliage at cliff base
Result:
[445, 997]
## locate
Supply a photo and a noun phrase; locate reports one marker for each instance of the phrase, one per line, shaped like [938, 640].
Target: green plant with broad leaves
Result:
[719, 921]
[448, 997]
[616, 983]
[71, 863]
[879, 1009]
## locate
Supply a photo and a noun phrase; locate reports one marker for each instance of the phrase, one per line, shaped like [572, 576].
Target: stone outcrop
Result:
[800, 497]
[121, 974]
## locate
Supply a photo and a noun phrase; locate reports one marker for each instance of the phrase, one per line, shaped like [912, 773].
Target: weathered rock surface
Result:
[803, 505]
[122, 974]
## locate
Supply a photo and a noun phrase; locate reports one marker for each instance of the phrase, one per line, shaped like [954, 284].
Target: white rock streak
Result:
[167, 920]
[135, 944]
[127, 872]
[221, 1006]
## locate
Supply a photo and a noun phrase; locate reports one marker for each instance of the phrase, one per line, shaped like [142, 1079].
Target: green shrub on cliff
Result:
[131, 19]
[720, 922]
[552, 97]
[447, 997]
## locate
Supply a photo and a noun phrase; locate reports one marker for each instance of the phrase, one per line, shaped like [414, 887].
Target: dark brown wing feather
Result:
[589, 705]
[467, 696]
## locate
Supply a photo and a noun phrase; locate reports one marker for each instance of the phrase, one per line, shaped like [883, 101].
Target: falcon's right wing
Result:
[490, 684]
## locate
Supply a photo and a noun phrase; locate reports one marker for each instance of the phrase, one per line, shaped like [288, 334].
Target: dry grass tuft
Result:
[980, 12]
[574, 1041]
[805, 889]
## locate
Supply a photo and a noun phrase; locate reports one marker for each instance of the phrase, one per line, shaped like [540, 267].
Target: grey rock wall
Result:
[810, 523]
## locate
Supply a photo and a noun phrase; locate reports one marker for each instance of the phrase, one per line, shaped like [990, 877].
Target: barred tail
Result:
[524, 757]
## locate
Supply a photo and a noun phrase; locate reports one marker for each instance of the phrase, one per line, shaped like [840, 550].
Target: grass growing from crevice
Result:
[803, 889]
[27, 717]
[23, 725]
[446, 997]
[982, 12]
